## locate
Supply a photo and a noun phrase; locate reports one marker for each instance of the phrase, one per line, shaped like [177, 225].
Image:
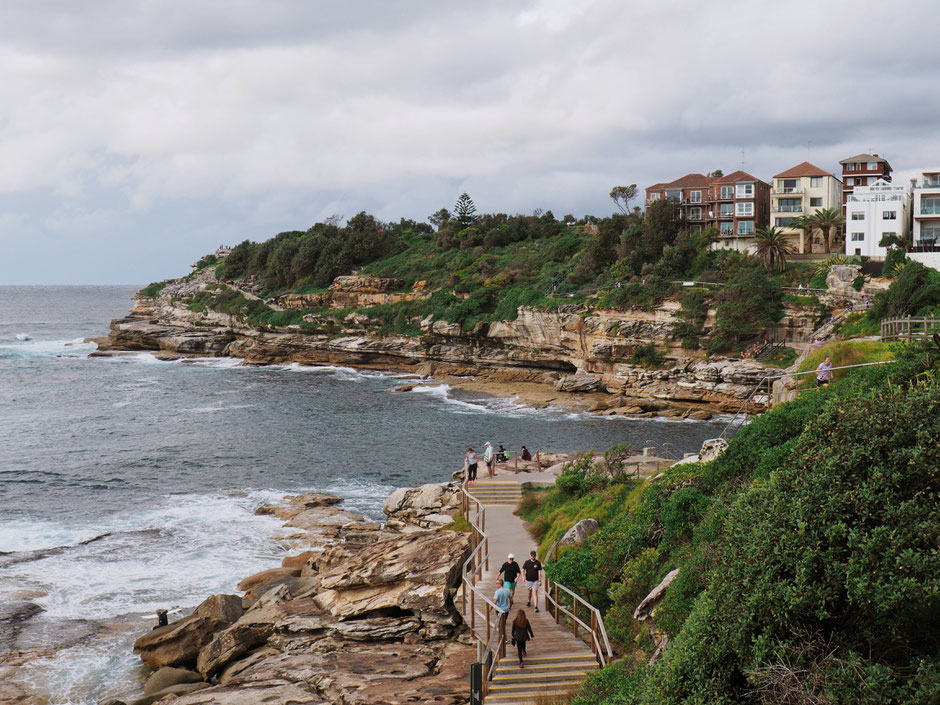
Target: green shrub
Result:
[152, 290]
[647, 356]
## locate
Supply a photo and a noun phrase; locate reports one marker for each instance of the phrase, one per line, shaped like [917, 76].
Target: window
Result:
[789, 185]
[815, 181]
[695, 196]
[850, 166]
[790, 205]
[727, 228]
[654, 197]
[858, 237]
[727, 193]
[726, 210]
[930, 206]
[695, 213]
[888, 234]
[815, 203]
[745, 227]
[744, 208]
[856, 215]
[889, 215]
[872, 166]
[784, 222]
[744, 190]
[850, 181]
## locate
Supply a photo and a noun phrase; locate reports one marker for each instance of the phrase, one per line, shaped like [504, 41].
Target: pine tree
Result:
[465, 210]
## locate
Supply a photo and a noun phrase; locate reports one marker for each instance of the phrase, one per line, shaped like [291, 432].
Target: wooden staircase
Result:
[497, 493]
[557, 674]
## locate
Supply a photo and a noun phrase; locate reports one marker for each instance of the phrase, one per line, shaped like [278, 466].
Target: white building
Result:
[926, 241]
[873, 211]
[802, 190]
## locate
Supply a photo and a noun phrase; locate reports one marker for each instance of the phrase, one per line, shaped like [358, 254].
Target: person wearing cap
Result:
[533, 570]
[488, 458]
[508, 573]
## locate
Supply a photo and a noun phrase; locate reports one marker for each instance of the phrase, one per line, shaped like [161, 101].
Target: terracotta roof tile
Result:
[804, 169]
[691, 181]
[736, 176]
[864, 158]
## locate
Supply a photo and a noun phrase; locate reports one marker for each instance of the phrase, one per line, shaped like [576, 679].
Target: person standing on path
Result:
[503, 599]
[508, 573]
[824, 373]
[471, 462]
[533, 573]
[521, 633]
[488, 458]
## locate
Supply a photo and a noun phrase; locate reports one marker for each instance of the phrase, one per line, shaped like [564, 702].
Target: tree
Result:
[825, 219]
[803, 223]
[772, 247]
[622, 195]
[438, 219]
[465, 210]
[717, 172]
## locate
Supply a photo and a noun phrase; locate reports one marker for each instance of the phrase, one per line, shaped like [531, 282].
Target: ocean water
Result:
[129, 484]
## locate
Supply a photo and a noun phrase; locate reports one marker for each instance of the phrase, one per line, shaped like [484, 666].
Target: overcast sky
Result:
[137, 135]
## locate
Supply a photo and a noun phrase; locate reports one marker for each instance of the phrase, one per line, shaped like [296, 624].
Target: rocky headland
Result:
[358, 613]
[573, 357]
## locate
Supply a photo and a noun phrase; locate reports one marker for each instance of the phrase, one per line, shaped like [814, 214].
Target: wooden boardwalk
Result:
[556, 661]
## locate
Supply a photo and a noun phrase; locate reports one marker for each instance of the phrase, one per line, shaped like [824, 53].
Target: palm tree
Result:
[803, 223]
[825, 219]
[772, 247]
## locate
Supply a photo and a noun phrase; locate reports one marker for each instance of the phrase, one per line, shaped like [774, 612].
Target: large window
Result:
[727, 193]
[930, 206]
[744, 190]
[727, 229]
[745, 227]
[889, 215]
[790, 205]
[858, 237]
[789, 185]
[695, 213]
[784, 222]
[726, 210]
[745, 208]
[654, 197]
[850, 181]
[858, 215]
[695, 196]
[815, 203]
[872, 166]
[930, 234]
[815, 181]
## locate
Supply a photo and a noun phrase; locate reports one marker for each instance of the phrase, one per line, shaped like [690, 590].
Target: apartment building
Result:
[802, 190]
[873, 211]
[862, 170]
[739, 203]
[692, 193]
[927, 210]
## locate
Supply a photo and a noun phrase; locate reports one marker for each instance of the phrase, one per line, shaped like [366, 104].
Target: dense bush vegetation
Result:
[809, 567]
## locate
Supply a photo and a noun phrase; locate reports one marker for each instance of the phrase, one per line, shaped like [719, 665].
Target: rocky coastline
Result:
[572, 357]
[357, 613]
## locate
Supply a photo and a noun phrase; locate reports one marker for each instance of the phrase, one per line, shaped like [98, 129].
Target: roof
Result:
[736, 176]
[804, 169]
[690, 181]
[654, 186]
[864, 158]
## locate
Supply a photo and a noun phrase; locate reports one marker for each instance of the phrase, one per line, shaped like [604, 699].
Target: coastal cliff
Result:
[584, 357]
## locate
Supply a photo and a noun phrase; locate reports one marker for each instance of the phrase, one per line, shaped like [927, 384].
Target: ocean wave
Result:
[70, 347]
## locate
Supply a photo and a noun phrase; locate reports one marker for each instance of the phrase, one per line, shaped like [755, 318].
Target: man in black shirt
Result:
[508, 573]
[533, 572]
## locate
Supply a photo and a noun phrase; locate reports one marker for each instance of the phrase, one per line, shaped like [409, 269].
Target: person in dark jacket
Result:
[521, 633]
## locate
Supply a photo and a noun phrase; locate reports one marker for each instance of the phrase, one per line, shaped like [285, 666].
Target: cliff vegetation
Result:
[807, 553]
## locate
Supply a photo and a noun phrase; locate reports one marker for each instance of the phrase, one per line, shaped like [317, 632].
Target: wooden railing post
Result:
[538, 462]
[574, 622]
[473, 611]
[594, 646]
[488, 608]
[515, 457]
[557, 616]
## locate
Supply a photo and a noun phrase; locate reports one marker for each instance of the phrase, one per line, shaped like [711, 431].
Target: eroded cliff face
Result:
[540, 346]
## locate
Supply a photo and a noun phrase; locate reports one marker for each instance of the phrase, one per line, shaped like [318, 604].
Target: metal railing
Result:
[557, 600]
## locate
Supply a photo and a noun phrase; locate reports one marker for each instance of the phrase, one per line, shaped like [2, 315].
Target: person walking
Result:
[824, 373]
[488, 458]
[470, 460]
[532, 569]
[503, 599]
[508, 573]
[521, 633]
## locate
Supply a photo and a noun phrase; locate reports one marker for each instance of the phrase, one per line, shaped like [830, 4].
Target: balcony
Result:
[928, 184]
[788, 190]
[930, 210]
[789, 209]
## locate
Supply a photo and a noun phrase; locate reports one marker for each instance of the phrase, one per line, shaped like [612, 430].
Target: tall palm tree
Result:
[825, 219]
[803, 223]
[772, 247]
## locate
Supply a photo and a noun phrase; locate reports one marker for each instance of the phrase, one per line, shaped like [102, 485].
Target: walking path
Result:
[556, 662]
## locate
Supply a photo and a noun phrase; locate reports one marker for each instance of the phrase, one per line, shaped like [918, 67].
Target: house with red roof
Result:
[802, 190]
[692, 193]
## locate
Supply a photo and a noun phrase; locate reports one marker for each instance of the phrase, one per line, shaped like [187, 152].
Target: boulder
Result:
[175, 690]
[179, 643]
[297, 561]
[580, 383]
[711, 449]
[256, 585]
[425, 507]
[700, 415]
[579, 533]
[651, 601]
[165, 677]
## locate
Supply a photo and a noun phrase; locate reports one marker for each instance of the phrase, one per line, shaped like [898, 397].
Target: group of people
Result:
[490, 458]
[507, 579]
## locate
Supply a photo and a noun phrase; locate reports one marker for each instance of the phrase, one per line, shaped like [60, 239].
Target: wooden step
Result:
[512, 673]
[534, 686]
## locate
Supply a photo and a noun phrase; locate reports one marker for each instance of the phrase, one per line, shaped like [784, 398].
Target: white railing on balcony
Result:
[789, 209]
[789, 189]
[930, 210]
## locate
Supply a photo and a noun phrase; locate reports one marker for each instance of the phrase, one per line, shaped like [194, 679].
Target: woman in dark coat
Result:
[521, 633]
